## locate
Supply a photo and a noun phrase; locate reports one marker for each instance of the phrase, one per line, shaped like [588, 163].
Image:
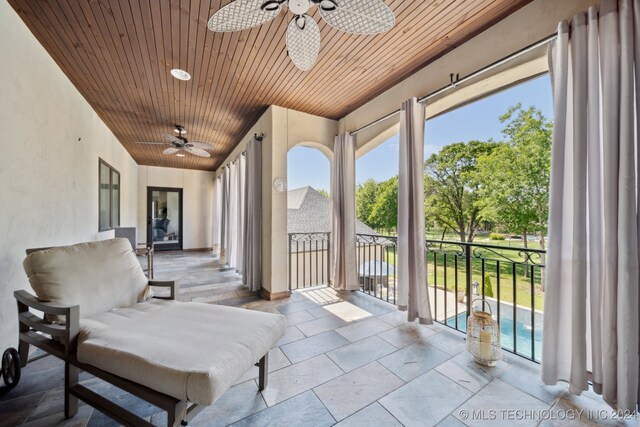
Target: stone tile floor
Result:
[347, 359]
[200, 278]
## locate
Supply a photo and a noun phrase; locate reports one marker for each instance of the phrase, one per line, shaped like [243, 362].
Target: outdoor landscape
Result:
[489, 198]
[486, 175]
[478, 190]
[485, 192]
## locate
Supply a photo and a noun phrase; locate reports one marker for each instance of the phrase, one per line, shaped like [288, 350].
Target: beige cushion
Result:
[98, 276]
[191, 351]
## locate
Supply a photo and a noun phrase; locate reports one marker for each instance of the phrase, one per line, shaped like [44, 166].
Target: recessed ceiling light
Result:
[180, 74]
[180, 154]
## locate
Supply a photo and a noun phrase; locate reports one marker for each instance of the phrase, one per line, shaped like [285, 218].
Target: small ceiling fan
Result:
[303, 33]
[181, 144]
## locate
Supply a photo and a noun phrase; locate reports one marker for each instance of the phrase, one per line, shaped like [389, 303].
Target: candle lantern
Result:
[483, 337]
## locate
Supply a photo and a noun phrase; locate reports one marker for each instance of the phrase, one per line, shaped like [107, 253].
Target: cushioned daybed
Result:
[102, 317]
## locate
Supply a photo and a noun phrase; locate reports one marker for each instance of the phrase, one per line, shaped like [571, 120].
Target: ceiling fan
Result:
[180, 144]
[303, 33]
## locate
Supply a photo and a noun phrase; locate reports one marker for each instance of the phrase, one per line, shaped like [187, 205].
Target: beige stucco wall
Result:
[197, 199]
[519, 30]
[283, 129]
[311, 131]
[49, 194]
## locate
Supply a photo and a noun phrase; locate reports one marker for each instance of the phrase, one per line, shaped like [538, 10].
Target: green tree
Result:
[451, 187]
[515, 176]
[384, 213]
[488, 289]
[324, 192]
[365, 199]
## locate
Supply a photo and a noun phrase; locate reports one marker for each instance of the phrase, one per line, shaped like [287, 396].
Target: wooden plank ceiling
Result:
[118, 54]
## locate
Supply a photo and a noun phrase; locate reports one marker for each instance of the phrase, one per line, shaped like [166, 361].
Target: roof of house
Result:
[308, 212]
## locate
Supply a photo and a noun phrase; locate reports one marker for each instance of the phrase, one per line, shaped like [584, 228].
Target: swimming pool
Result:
[523, 334]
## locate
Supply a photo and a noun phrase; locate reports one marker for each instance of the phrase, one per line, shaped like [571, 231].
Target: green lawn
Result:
[523, 284]
[490, 260]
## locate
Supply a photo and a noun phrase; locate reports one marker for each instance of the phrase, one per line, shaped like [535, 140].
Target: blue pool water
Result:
[523, 334]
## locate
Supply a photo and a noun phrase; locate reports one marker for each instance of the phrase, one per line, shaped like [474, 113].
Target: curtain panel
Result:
[217, 216]
[234, 200]
[224, 215]
[591, 314]
[238, 215]
[242, 173]
[413, 294]
[343, 214]
[235, 242]
[252, 247]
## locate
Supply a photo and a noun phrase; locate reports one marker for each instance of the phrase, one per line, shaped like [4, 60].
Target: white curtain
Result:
[252, 248]
[412, 277]
[232, 243]
[224, 216]
[217, 216]
[591, 295]
[236, 213]
[343, 214]
[242, 178]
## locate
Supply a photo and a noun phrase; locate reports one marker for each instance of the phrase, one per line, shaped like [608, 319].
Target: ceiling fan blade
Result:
[197, 152]
[172, 139]
[243, 14]
[201, 145]
[303, 42]
[360, 16]
[150, 143]
[171, 150]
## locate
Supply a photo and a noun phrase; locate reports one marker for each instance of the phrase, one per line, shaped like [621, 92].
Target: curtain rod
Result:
[457, 81]
[257, 137]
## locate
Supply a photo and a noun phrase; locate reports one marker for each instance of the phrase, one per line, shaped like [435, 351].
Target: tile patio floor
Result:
[346, 359]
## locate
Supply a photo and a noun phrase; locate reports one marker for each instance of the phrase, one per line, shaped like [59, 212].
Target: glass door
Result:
[164, 218]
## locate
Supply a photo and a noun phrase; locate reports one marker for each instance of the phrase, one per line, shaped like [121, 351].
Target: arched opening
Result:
[308, 212]
[309, 166]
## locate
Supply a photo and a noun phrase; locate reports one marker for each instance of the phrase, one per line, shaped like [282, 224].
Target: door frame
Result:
[165, 247]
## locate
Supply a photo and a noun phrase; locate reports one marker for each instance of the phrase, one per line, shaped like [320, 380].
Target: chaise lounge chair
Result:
[100, 316]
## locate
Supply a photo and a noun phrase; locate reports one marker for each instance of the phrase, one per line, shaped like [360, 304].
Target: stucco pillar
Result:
[274, 208]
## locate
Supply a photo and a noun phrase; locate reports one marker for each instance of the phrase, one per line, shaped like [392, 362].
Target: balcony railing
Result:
[459, 275]
[309, 259]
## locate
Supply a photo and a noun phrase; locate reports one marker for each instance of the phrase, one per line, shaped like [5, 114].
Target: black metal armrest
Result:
[171, 284]
[64, 337]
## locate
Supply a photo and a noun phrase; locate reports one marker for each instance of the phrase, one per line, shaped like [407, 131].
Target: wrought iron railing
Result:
[376, 264]
[509, 279]
[309, 256]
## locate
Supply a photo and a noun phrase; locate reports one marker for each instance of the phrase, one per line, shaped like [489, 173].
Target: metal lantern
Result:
[483, 337]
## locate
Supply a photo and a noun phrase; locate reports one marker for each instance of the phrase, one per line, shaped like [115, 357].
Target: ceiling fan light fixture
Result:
[301, 22]
[299, 7]
[303, 44]
[359, 16]
[271, 6]
[180, 145]
[303, 34]
[328, 5]
[180, 74]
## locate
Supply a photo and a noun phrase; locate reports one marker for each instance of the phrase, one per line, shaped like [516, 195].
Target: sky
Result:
[479, 121]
